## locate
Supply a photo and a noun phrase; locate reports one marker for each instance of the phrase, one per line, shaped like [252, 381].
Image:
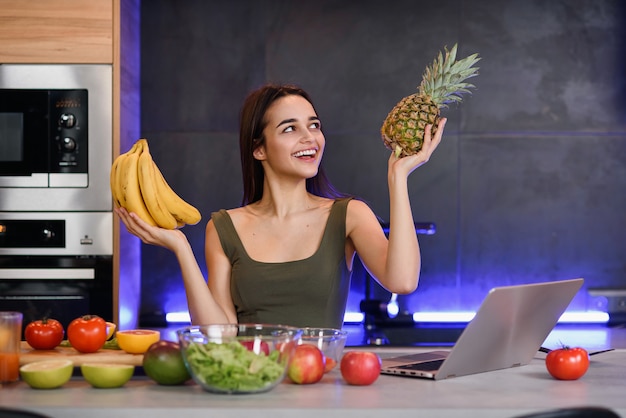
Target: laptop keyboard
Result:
[426, 365]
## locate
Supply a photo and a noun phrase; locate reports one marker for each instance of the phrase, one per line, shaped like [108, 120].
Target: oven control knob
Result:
[67, 120]
[68, 144]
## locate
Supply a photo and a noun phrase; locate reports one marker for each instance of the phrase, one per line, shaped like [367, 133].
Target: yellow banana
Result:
[115, 176]
[149, 191]
[183, 212]
[132, 199]
[138, 185]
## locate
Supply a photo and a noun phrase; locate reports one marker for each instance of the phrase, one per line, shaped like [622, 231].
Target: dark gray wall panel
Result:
[547, 65]
[528, 184]
[543, 208]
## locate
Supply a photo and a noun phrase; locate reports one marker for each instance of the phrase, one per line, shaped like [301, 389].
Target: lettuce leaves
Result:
[231, 367]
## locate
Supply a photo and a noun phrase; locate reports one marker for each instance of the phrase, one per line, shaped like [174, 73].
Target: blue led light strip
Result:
[587, 317]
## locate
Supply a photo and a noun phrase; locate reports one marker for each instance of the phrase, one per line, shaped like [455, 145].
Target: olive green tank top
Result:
[304, 293]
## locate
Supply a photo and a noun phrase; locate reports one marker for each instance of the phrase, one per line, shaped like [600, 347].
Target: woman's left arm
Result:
[395, 262]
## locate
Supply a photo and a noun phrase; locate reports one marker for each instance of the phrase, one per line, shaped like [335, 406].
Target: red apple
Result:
[360, 367]
[307, 365]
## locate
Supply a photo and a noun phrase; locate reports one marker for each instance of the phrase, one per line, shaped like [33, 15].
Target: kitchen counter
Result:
[502, 393]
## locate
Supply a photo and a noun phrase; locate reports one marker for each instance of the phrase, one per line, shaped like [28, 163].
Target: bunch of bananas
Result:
[138, 186]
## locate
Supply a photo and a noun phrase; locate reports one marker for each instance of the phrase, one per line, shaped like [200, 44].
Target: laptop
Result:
[507, 331]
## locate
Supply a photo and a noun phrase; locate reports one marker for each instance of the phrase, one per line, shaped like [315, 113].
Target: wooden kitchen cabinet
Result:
[56, 31]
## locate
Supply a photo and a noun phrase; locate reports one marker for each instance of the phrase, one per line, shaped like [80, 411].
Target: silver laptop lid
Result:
[509, 327]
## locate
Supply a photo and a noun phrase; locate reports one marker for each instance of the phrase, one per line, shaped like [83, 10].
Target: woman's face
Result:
[294, 142]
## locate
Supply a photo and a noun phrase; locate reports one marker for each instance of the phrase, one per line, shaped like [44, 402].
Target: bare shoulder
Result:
[210, 226]
[233, 213]
[358, 207]
[212, 245]
[360, 215]
[210, 231]
[239, 211]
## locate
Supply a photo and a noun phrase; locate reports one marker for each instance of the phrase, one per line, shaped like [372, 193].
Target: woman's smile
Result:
[307, 154]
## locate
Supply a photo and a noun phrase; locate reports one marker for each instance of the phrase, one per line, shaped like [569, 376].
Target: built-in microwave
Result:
[45, 138]
[56, 137]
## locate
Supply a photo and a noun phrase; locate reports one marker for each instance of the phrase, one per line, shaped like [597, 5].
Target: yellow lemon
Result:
[47, 374]
[136, 341]
[107, 375]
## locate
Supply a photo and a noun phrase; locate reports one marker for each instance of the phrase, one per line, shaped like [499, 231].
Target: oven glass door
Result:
[24, 143]
[63, 288]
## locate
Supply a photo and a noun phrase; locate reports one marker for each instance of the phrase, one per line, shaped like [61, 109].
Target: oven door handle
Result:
[43, 273]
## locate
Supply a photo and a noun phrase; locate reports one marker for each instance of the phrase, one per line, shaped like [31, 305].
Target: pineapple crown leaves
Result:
[443, 80]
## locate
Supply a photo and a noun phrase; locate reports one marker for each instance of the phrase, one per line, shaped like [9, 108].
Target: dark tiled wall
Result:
[528, 185]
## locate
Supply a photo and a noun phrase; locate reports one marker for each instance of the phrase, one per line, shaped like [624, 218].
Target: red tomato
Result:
[87, 334]
[306, 365]
[360, 367]
[567, 363]
[44, 334]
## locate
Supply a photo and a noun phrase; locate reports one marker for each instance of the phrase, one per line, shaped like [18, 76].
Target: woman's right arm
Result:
[204, 308]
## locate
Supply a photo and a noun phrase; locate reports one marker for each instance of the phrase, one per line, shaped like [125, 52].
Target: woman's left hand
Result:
[406, 165]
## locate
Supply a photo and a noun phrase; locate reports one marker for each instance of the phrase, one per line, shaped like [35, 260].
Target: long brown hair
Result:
[252, 124]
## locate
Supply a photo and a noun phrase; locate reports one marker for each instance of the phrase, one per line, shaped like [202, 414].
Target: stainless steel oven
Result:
[56, 264]
[56, 219]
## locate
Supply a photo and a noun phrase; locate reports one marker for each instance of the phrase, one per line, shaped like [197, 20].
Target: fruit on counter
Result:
[567, 363]
[136, 341]
[163, 363]
[138, 185]
[256, 345]
[330, 364]
[87, 334]
[442, 83]
[44, 334]
[107, 375]
[111, 327]
[360, 367]
[307, 365]
[47, 374]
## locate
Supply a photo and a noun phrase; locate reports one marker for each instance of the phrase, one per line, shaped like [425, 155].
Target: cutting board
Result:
[29, 355]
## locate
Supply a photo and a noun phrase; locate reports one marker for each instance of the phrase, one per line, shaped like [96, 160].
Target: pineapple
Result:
[442, 83]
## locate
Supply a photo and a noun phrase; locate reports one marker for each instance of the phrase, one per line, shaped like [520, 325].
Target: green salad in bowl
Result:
[237, 358]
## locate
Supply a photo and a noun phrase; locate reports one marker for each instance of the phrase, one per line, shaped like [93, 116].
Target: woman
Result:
[285, 255]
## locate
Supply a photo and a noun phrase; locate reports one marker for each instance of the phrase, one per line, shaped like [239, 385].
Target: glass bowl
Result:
[237, 358]
[330, 340]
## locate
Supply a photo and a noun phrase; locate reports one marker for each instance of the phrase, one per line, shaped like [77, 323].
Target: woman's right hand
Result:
[405, 165]
[148, 234]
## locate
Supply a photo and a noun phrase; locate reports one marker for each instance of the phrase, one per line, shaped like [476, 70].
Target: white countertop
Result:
[503, 393]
